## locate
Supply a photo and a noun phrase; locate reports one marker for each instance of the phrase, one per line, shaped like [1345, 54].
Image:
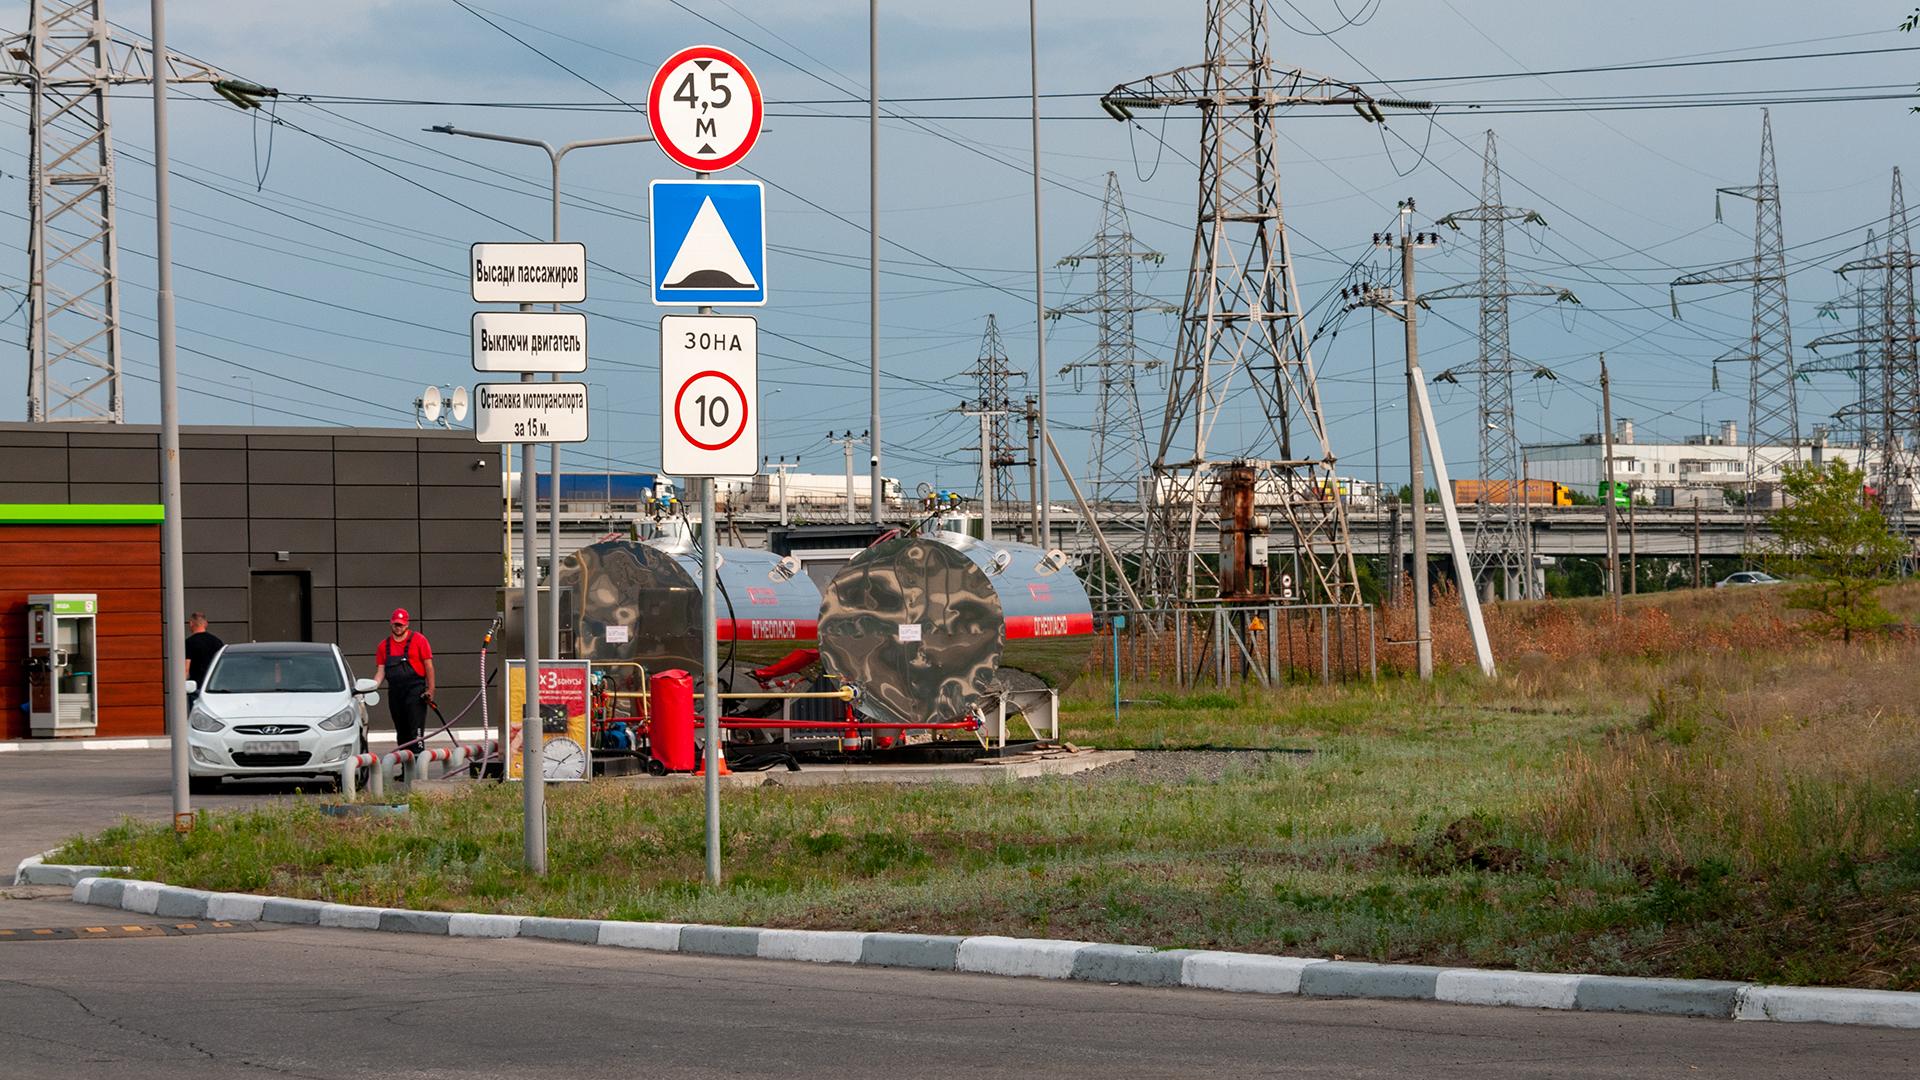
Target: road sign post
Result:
[507, 413]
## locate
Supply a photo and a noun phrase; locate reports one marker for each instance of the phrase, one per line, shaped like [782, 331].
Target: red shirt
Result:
[418, 651]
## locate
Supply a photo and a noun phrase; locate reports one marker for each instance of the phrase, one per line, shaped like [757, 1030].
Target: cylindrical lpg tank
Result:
[640, 602]
[929, 625]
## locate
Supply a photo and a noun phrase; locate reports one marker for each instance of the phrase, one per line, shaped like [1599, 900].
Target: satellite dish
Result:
[458, 407]
[430, 404]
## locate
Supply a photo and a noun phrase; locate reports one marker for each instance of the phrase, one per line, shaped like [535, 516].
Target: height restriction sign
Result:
[705, 109]
[709, 397]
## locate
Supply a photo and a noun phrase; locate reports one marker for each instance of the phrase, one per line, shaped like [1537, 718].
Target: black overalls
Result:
[406, 693]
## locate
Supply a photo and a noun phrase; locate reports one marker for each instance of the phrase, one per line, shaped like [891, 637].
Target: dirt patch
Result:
[1187, 766]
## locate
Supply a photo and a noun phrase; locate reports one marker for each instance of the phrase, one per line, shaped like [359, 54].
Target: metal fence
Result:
[1219, 644]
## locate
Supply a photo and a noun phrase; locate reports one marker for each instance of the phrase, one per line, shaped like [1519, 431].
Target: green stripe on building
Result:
[81, 514]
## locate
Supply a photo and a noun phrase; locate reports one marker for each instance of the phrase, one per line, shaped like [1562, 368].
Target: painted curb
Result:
[1131, 965]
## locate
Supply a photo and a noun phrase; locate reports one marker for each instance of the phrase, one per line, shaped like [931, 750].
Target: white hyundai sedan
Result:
[280, 708]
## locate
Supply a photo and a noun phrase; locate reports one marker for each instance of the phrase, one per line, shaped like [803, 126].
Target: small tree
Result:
[1839, 547]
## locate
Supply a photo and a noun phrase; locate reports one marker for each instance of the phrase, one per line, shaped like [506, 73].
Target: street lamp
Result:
[534, 795]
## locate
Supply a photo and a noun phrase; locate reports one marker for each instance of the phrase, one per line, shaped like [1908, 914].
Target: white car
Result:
[278, 708]
[1747, 577]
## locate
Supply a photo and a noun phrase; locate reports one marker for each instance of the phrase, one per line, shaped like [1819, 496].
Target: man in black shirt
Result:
[201, 647]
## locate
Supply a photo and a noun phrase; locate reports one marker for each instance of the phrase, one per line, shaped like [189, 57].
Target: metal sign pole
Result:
[533, 793]
[710, 663]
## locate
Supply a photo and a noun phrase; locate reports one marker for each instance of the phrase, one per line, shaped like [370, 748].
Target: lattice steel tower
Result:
[1241, 319]
[1499, 532]
[993, 373]
[1119, 431]
[68, 61]
[1863, 363]
[1773, 408]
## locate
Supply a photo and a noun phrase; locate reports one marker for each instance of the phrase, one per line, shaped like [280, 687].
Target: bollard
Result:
[349, 783]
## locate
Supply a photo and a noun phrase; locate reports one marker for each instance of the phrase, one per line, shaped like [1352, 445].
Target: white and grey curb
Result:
[1131, 965]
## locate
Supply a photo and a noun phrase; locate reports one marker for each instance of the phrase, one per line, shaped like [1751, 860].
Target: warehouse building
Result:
[1700, 462]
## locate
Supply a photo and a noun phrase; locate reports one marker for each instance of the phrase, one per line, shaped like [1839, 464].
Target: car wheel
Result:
[203, 785]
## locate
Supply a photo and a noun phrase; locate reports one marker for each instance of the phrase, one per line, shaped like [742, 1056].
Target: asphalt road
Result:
[312, 1002]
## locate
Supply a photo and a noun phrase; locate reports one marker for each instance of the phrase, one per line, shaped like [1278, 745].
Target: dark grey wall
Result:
[379, 519]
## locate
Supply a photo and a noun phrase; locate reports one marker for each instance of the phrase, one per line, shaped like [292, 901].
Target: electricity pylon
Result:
[1863, 363]
[1119, 431]
[1241, 320]
[68, 60]
[1499, 533]
[993, 373]
[1895, 409]
[1773, 408]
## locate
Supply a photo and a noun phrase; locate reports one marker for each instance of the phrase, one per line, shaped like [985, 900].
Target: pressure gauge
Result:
[563, 759]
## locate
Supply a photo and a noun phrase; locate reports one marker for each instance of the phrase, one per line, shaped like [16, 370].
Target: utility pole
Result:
[1498, 533]
[1039, 277]
[847, 443]
[1773, 409]
[1241, 319]
[873, 261]
[1696, 545]
[1606, 441]
[784, 466]
[986, 417]
[1633, 545]
[1032, 416]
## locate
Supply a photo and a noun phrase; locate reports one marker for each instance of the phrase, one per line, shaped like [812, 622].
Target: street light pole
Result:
[873, 263]
[534, 801]
[172, 563]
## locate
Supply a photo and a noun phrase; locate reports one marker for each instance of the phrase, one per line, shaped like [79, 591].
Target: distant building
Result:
[1701, 461]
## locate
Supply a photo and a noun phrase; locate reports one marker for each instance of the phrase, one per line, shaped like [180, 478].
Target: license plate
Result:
[270, 748]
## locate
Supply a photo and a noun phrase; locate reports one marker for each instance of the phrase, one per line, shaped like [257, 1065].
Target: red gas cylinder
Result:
[670, 728]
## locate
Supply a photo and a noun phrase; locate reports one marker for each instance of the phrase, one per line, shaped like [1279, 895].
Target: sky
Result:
[321, 244]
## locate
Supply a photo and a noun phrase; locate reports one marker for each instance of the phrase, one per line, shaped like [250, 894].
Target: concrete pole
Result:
[1613, 523]
[873, 268]
[533, 786]
[1045, 520]
[1416, 466]
[847, 445]
[553, 470]
[172, 561]
[986, 477]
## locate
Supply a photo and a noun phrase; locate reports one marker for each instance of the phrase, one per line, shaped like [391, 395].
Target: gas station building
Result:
[291, 534]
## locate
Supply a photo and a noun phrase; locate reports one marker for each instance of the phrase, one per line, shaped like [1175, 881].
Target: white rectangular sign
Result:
[528, 273]
[529, 341]
[532, 412]
[709, 395]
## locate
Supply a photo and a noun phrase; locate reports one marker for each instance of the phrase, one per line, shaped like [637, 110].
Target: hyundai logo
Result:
[272, 729]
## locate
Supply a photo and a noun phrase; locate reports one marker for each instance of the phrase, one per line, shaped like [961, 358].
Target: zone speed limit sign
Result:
[709, 397]
[705, 109]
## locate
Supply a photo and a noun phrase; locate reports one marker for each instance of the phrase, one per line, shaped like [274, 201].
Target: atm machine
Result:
[63, 683]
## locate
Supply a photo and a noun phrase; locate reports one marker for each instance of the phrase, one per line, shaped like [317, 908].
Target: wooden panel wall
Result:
[119, 563]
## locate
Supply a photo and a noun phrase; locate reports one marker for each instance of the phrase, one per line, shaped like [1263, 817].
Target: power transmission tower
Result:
[1241, 320]
[1863, 363]
[1499, 534]
[993, 373]
[1773, 408]
[1119, 432]
[68, 61]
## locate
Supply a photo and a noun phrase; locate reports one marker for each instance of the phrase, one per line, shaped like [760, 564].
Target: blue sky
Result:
[324, 278]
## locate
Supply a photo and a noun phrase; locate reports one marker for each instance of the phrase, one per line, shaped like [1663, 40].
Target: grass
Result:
[1697, 790]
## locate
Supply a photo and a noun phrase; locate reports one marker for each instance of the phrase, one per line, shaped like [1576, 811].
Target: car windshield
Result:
[275, 673]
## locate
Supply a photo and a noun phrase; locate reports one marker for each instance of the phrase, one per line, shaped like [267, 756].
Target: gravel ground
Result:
[1186, 766]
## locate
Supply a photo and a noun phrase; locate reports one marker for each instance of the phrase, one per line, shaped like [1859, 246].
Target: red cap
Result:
[399, 616]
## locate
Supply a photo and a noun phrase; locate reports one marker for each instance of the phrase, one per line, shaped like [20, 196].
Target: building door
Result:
[282, 605]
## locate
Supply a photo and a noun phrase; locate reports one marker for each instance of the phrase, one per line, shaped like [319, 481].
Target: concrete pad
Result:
[1828, 1005]
[1244, 973]
[1129, 965]
[1676, 997]
[350, 916]
[1041, 958]
[928, 952]
[177, 903]
[1472, 986]
[140, 896]
[483, 926]
[403, 921]
[235, 907]
[297, 912]
[581, 931]
[657, 936]
[720, 940]
[813, 946]
[1341, 978]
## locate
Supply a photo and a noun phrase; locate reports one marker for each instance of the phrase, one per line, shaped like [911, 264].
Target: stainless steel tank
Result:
[929, 625]
[641, 602]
